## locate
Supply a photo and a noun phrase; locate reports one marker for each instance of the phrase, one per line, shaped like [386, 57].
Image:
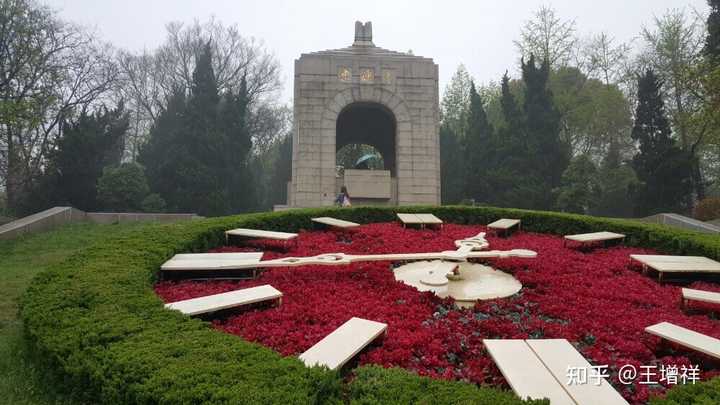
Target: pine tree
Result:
[165, 156]
[204, 96]
[548, 156]
[453, 128]
[281, 171]
[477, 149]
[196, 158]
[236, 147]
[85, 147]
[205, 141]
[509, 154]
[663, 169]
[512, 141]
[510, 109]
[451, 166]
[712, 43]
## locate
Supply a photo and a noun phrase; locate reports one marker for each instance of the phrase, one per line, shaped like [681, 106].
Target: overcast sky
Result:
[477, 33]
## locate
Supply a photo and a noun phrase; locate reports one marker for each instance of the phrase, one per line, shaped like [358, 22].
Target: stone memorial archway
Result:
[369, 95]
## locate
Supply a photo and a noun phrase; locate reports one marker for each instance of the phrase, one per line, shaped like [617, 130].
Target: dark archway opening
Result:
[369, 124]
[359, 156]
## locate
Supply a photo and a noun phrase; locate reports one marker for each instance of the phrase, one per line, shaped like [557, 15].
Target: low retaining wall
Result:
[56, 216]
[42, 221]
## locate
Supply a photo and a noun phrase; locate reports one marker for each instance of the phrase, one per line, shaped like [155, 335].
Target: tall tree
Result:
[580, 186]
[709, 115]
[616, 180]
[204, 141]
[478, 149]
[548, 38]
[506, 173]
[150, 78]
[663, 169]
[455, 108]
[605, 59]
[197, 154]
[674, 47]
[455, 104]
[510, 108]
[548, 156]
[281, 171]
[165, 155]
[451, 167]
[50, 71]
[84, 149]
[237, 143]
[712, 41]
[593, 114]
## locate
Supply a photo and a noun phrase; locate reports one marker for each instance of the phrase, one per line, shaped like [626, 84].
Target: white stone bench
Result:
[524, 372]
[205, 265]
[539, 369]
[245, 233]
[335, 223]
[677, 264]
[504, 225]
[337, 348]
[686, 337]
[409, 219]
[227, 300]
[210, 261]
[701, 296]
[584, 238]
[419, 219]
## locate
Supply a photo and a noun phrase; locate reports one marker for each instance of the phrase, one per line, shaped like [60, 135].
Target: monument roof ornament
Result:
[363, 34]
[363, 45]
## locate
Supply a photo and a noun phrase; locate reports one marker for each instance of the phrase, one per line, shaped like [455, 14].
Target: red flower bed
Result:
[594, 299]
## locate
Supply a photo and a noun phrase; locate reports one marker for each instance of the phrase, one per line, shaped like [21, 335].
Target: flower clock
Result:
[593, 298]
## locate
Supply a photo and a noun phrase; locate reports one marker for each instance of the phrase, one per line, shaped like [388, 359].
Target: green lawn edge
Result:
[21, 381]
[96, 322]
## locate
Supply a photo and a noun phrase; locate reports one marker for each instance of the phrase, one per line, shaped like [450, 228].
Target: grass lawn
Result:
[20, 260]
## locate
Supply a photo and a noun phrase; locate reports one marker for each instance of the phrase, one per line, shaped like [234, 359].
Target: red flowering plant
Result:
[595, 299]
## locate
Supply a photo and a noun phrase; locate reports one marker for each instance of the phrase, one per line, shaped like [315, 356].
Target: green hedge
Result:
[377, 385]
[96, 322]
[706, 393]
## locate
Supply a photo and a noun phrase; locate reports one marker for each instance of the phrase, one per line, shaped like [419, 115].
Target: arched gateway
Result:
[365, 95]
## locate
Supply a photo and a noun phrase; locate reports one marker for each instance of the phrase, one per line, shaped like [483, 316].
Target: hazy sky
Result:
[478, 33]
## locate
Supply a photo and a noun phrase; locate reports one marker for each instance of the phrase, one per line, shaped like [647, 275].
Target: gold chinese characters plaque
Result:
[344, 74]
[367, 75]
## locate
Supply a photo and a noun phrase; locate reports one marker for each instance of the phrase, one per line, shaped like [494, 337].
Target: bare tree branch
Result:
[49, 71]
[548, 38]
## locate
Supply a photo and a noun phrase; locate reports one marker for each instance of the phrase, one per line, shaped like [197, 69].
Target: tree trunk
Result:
[697, 178]
[12, 176]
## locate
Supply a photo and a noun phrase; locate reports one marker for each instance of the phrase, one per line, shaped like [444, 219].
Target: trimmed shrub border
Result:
[95, 321]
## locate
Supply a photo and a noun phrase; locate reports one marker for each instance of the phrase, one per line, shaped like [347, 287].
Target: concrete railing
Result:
[56, 216]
